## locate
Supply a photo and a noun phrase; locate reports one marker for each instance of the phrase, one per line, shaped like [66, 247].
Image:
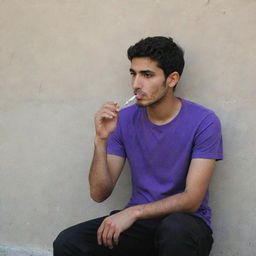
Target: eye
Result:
[148, 75]
[132, 74]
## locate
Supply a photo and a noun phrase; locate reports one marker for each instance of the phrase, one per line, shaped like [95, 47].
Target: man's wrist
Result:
[100, 140]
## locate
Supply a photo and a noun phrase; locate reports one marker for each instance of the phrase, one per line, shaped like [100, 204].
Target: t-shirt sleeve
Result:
[115, 143]
[208, 139]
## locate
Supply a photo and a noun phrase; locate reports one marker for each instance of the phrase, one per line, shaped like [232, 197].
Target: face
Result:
[148, 82]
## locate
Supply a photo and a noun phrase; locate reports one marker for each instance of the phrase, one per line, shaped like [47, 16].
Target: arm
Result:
[105, 169]
[198, 178]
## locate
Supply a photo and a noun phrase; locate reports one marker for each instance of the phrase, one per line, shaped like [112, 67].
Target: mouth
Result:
[139, 95]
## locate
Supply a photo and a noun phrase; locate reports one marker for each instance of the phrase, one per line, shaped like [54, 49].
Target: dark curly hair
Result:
[168, 55]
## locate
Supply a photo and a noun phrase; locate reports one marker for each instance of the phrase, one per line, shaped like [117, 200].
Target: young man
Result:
[171, 145]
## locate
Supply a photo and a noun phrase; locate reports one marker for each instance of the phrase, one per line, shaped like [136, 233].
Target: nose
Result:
[136, 83]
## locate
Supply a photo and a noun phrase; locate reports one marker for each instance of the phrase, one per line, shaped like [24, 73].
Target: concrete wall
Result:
[60, 60]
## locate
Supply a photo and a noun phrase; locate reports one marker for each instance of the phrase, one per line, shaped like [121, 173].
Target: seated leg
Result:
[184, 235]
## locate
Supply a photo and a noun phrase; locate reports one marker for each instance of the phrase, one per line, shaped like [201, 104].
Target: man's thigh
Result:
[177, 234]
[81, 239]
[183, 234]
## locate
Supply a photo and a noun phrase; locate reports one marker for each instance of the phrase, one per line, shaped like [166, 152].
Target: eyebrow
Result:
[143, 71]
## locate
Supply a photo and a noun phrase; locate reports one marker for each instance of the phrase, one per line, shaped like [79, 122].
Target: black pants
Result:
[178, 234]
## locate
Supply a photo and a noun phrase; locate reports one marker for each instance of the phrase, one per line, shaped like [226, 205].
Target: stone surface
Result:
[7, 251]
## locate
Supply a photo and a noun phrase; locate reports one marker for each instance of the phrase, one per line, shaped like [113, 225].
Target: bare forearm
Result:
[101, 184]
[181, 202]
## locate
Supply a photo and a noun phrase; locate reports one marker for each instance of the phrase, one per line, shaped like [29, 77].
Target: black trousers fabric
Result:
[179, 234]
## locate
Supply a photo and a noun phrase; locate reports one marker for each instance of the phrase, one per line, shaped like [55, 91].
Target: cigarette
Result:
[131, 99]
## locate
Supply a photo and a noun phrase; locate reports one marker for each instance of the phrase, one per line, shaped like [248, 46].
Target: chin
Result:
[143, 105]
[140, 104]
[150, 103]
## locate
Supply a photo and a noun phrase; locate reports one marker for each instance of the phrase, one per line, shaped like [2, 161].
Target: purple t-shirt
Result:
[159, 155]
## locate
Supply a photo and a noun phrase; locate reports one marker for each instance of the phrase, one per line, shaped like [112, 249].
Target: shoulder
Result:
[204, 120]
[196, 107]
[198, 112]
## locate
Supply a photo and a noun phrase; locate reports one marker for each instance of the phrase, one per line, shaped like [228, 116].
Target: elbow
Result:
[192, 202]
[191, 205]
[98, 197]
[194, 207]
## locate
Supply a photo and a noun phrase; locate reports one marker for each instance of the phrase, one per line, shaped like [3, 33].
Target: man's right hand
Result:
[106, 119]
[105, 169]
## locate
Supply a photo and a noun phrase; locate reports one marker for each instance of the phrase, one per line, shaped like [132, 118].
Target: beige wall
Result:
[60, 60]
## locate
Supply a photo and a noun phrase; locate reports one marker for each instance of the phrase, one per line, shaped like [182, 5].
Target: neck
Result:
[165, 111]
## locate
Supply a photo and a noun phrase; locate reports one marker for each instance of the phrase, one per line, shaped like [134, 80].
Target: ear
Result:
[173, 79]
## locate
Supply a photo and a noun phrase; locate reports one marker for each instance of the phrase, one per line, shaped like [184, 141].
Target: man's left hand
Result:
[112, 226]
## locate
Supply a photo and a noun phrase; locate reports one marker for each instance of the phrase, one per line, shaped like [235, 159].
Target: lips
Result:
[139, 95]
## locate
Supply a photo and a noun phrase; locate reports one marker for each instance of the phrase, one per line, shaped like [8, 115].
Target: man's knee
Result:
[69, 243]
[60, 241]
[175, 227]
[78, 240]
